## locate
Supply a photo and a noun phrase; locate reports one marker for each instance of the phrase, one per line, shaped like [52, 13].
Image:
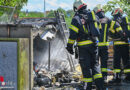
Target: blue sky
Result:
[38, 5]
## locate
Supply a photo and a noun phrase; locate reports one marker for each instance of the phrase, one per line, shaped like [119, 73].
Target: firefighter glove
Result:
[70, 48]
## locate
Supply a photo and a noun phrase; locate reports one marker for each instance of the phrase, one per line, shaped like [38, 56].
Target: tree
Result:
[31, 14]
[51, 14]
[70, 13]
[12, 3]
[62, 10]
[124, 4]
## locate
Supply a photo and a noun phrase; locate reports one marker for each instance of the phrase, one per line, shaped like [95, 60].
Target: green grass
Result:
[68, 21]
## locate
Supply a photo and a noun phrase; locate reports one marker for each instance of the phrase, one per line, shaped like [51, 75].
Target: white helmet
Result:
[98, 8]
[78, 4]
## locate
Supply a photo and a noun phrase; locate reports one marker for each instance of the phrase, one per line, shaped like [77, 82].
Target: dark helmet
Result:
[117, 11]
[98, 8]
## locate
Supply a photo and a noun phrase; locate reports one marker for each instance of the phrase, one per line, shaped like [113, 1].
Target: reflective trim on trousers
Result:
[96, 76]
[119, 43]
[117, 70]
[87, 80]
[104, 69]
[126, 70]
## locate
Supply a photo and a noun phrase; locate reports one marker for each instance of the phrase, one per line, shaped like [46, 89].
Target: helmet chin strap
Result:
[75, 9]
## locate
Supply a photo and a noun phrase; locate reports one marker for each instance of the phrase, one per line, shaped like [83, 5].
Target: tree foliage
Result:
[124, 4]
[13, 3]
[18, 4]
[70, 13]
[62, 10]
[31, 14]
[51, 14]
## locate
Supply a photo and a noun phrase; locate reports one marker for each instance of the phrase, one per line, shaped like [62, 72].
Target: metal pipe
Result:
[12, 14]
[8, 31]
[49, 54]
[44, 8]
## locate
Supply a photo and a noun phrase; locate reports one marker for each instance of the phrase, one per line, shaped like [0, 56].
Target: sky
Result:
[38, 5]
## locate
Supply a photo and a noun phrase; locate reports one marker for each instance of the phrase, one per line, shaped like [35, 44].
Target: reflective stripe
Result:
[100, 26]
[96, 25]
[93, 15]
[119, 43]
[105, 33]
[84, 42]
[94, 18]
[103, 44]
[70, 41]
[85, 29]
[74, 28]
[87, 80]
[112, 27]
[104, 69]
[127, 23]
[118, 29]
[117, 70]
[97, 76]
[126, 70]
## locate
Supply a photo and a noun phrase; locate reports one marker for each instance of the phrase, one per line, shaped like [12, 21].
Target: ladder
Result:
[60, 18]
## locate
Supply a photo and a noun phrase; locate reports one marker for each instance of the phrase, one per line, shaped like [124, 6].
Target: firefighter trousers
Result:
[88, 59]
[103, 56]
[121, 52]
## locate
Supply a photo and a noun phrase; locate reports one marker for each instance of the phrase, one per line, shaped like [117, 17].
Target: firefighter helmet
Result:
[98, 8]
[78, 4]
[117, 11]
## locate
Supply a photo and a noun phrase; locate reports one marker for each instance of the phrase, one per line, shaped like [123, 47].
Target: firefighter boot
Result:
[127, 78]
[99, 84]
[115, 80]
[88, 86]
[105, 80]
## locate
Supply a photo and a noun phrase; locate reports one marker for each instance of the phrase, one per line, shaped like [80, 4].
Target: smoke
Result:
[58, 55]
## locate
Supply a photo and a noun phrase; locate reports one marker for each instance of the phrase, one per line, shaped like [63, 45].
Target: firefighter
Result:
[84, 30]
[121, 47]
[103, 40]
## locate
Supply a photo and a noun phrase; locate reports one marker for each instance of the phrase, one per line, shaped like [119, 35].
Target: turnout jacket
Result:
[104, 31]
[83, 28]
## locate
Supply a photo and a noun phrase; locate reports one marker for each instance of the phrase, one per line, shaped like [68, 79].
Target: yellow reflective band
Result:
[70, 41]
[93, 15]
[105, 31]
[128, 27]
[104, 69]
[100, 26]
[74, 28]
[96, 25]
[117, 70]
[118, 29]
[84, 42]
[97, 76]
[87, 80]
[94, 18]
[127, 20]
[103, 44]
[112, 27]
[112, 30]
[119, 43]
[126, 70]
[85, 29]
[127, 23]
